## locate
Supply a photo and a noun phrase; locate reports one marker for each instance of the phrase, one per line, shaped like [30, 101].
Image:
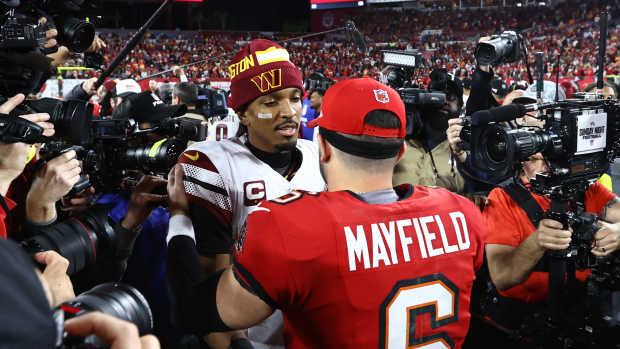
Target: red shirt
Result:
[335, 264]
[3, 215]
[508, 224]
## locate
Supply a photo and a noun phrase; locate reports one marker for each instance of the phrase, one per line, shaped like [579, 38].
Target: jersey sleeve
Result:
[210, 203]
[261, 264]
[597, 197]
[505, 220]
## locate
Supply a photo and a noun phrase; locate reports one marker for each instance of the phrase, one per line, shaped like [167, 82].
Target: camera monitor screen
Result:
[331, 4]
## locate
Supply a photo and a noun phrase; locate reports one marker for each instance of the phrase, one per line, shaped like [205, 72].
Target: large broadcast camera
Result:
[579, 139]
[416, 99]
[114, 153]
[116, 299]
[115, 149]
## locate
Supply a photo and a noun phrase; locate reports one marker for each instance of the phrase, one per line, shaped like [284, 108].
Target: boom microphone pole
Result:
[352, 32]
[602, 45]
[130, 45]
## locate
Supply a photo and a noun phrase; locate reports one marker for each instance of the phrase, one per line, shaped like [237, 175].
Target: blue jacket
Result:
[146, 268]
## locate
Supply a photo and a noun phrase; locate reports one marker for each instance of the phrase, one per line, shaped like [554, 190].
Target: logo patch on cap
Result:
[381, 96]
[268, 80]
[272, 54]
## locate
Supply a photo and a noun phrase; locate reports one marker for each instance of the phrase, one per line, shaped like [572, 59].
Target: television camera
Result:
[212, 102]
[579, 139]
[416, 99]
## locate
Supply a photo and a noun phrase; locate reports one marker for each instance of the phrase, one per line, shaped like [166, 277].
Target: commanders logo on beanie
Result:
[260, 68]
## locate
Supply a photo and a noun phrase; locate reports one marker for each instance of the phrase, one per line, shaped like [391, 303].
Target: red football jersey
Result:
[348, 274]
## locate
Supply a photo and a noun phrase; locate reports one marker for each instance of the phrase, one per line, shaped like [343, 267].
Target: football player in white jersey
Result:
[224, 179]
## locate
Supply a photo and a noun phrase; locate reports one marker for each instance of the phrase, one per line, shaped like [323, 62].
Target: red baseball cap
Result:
[344, 109]
[346, 104]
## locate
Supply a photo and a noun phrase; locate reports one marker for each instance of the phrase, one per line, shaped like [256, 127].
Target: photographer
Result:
[428, 160]
[28, 296]
[14, 158]
[515, 244]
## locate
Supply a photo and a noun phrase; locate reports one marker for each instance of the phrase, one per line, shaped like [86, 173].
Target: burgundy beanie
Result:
[260, 68]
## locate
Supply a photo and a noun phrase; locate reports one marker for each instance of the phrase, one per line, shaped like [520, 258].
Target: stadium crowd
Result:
[445, 37]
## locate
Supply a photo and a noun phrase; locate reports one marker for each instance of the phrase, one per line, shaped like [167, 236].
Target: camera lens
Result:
[75, 33]
[72, 119]
[77, 239]
[157, 156]
[497, 146]
[118, 300]
[485, 54]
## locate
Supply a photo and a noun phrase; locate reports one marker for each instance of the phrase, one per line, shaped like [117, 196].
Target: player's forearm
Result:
[514, 267]
[192, 291]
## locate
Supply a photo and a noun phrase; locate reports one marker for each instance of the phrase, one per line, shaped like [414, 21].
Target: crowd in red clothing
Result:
[447, 38]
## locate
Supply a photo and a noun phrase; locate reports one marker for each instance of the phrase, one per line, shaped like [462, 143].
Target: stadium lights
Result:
[519, 4]
[409, 59]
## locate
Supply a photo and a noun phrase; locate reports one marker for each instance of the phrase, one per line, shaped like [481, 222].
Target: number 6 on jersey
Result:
[433, 294]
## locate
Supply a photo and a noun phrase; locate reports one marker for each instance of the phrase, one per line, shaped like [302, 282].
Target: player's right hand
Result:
[550, 235]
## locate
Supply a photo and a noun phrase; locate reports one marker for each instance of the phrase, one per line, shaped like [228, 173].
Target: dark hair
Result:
[319, 91]
[187, 92]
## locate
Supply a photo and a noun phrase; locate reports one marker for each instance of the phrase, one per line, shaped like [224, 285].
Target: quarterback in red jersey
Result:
[360, 266]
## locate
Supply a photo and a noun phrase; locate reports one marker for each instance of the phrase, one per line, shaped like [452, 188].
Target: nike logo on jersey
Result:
[192, 157]
[390, 240]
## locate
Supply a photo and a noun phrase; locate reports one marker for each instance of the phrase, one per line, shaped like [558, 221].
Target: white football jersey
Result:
[219, 128]
[236, 180]
[230, 180]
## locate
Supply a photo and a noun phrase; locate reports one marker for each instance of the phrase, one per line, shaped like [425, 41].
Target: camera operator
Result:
[515, 245]
[28, 296]
[428, 160]
[14, 158]
[226, 179]
[187, 93]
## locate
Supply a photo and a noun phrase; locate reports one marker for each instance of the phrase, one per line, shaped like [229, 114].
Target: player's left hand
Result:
[177, 201]
[606, 239]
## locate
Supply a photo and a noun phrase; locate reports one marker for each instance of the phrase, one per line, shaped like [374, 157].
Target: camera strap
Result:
[525, 200]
